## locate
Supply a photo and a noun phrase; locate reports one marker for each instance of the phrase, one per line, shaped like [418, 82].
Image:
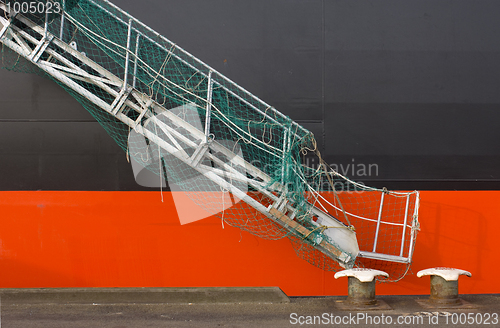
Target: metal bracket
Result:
[145, 109]
[198, 154]
[280, 204]
[120, 100]
[40, 48]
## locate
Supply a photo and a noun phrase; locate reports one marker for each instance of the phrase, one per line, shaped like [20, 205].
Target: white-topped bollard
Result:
[361, 286]
[444, 285]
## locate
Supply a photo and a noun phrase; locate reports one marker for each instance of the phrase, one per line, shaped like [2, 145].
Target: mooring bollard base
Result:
[460, 305]
[346, 305]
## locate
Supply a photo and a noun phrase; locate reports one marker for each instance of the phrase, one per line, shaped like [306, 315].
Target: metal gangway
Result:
[46, 40]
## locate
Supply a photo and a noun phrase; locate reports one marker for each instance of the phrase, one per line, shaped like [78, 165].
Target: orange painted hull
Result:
[133, 239]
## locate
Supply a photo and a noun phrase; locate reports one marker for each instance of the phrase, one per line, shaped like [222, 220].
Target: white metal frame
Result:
[17, 40]
[129, 97]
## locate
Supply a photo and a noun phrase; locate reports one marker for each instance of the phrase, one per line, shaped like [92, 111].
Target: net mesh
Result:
[155, 85]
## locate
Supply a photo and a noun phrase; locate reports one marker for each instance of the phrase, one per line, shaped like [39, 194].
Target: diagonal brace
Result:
[120, 100]
[40, 48]
[6, 26]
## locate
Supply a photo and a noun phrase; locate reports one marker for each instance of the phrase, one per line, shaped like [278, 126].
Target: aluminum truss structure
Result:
[69, 70]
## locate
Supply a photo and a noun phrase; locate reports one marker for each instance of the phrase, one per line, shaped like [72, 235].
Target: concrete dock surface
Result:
[228, 307]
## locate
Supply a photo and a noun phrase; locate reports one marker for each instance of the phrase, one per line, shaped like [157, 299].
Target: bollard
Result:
[361, 289]
[444, 287]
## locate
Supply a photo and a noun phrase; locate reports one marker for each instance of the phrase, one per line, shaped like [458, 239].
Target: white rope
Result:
[223, 205]
[346, 212]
